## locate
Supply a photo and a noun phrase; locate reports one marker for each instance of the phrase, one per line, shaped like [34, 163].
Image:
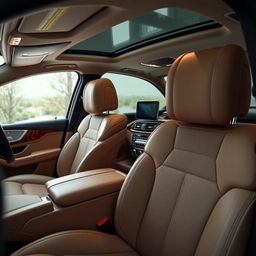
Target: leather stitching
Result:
[111, 128]
[193, 152]
[234, 227]
[216, 169]
[80, 177]
[174, 68]
[182, 185]
[171, 149]
[143, 215]
[65, 233]
[187, 172]
[123, 193]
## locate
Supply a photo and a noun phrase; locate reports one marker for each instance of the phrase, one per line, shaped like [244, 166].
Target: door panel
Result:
[15, 135]
[34, 111]
[37, 150]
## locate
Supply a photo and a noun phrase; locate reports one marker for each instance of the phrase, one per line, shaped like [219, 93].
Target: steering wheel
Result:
[5, 148]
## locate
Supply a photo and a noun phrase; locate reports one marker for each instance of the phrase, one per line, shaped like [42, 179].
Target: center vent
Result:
[148, 127]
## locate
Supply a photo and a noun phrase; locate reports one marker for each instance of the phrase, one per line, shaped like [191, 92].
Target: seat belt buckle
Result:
[106, 226]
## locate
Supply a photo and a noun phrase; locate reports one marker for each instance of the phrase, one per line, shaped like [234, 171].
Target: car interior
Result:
[128, 128]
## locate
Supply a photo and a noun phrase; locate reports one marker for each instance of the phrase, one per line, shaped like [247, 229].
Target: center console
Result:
[147, 121]
[138, 132]
[76, 201]
[141, 130]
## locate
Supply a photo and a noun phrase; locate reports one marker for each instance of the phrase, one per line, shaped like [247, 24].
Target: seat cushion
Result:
[28, 184]
[78, 242]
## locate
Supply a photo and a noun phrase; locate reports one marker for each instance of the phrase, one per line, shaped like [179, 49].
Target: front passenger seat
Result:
[192, 192]
[98, 135]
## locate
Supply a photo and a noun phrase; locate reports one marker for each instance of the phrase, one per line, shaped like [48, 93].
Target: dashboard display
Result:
[147, 110]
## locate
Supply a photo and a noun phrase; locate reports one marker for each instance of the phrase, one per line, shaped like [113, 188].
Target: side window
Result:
[2, 62]
[37, 98]
[253, 101]
[132, 89]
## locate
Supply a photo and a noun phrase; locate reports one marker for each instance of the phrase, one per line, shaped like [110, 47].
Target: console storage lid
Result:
[79, 187]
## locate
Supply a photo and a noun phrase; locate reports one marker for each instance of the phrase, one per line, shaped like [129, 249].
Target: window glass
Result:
[37, 98]
[159, 23]
[2, 61]
[253, 101]
[132, 89]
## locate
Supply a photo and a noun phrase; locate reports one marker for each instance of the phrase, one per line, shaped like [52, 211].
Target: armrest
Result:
[83, 186]
[34, 157]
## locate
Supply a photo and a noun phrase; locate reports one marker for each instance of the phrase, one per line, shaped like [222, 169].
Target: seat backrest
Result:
[99, 136]
[192, 191]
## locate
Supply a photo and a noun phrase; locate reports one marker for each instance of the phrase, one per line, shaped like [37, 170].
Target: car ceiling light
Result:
[15, 40]
[51, 18]
[159, 63]
[150, 65]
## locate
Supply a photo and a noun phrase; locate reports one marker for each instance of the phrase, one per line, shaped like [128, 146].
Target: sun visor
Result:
[61, 19]
[31, 55]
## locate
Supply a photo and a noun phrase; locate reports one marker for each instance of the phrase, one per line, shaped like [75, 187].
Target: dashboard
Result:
[147, 120]
[141, 130]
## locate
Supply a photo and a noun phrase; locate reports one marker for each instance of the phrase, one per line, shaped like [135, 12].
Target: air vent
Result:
[148, 127]
[137, 126]
[232, 16]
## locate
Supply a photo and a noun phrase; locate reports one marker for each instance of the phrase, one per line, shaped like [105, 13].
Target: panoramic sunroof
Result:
[155, 26]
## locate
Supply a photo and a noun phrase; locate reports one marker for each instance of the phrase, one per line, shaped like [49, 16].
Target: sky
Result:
[1, 60]
[39, 86]
[132, 86]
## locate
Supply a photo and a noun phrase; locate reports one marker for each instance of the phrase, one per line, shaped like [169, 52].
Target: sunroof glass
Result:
[141, 30]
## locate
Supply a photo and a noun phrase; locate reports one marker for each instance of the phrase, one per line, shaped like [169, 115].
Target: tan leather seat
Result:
[193, 190]
[97, 135]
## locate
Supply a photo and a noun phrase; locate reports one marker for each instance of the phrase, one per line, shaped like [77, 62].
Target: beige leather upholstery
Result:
[14, 202]
[26, 184]
[192, 192]
[100, 96]
[91, 242]
[188, 190]
[209, 93]
[97, 135]
[84, 186]
[89, 196]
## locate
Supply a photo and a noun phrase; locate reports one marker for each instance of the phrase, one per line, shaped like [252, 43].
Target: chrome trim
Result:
[11, 139]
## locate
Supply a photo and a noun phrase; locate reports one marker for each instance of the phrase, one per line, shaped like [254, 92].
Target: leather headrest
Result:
[209, 86]
[99, 96]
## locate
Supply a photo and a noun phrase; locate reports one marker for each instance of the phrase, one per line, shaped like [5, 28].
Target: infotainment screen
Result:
[147, 110]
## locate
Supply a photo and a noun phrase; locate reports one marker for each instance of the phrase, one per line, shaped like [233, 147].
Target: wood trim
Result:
[32, 135]
[140, 131]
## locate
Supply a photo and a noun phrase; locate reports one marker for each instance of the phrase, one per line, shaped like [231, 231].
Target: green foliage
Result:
[15, 108]
[9, 100]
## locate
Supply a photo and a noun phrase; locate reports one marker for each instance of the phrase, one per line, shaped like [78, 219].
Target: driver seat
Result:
[97, 135]
[192, 192]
